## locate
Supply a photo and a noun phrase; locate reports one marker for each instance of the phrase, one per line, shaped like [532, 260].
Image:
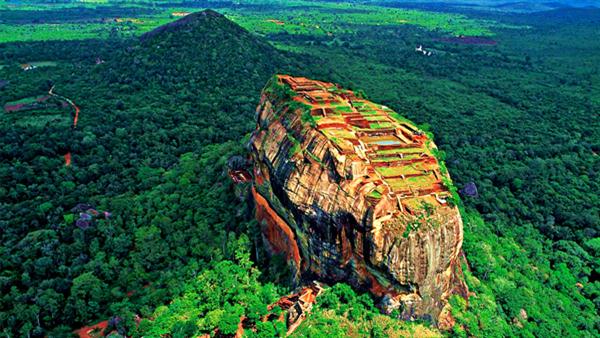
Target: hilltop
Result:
[201, 52]
[189, 23]
[208, 70]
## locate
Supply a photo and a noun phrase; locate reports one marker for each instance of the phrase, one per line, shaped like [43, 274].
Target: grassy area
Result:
[42, 32]
[421, 181]
[374, 194]
[331, 18]
[341, 108]
[295, 17]
[415, 182]
[338, 133]
[400, 150]
[84, 30]
[25, 100]
[397, 170]
[381, 125]
[376, 118]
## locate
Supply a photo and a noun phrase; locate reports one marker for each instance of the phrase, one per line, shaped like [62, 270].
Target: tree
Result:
[86, 297]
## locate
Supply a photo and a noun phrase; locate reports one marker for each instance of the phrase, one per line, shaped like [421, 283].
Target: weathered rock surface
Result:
[350, 191]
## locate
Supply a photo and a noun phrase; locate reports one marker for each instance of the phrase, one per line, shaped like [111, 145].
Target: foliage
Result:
[160, 118]
[513, 282]
[151, 147]
[308, 118]
[216, 299]
[340, 312]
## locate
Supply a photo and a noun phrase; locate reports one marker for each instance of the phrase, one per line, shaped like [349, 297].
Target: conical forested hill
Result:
[199, 78]
[203, 52]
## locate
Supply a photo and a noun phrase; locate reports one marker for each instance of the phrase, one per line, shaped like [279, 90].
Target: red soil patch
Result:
[279, 234]
[13, 108]
[277, 22]
[470, 40]
[93, 331]
[68, 159]
[76, 116]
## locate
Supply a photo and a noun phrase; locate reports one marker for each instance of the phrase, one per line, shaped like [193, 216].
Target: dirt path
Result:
[75, 119]
[70, 102]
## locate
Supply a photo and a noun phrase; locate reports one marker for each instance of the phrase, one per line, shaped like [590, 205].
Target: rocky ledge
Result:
[348, 190]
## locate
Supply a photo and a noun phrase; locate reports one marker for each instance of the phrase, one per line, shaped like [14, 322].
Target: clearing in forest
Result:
[27, 103]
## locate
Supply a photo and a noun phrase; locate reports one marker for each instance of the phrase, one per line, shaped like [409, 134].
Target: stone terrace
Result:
[388, 153]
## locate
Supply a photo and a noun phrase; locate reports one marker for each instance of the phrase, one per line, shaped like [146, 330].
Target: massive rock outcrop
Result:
[348, 190]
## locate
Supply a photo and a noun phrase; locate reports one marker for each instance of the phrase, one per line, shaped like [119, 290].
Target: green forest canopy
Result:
[160, 118]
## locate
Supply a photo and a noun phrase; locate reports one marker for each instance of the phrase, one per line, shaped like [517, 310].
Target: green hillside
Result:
[159, 119]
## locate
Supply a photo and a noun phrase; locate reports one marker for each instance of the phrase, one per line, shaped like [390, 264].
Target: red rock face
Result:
[276, 230]
[352, 192]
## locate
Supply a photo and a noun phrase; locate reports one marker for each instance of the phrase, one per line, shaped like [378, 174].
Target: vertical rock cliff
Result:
[348, 190]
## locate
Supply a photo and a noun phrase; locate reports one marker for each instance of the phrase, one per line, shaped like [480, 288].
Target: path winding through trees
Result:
[75, 118]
